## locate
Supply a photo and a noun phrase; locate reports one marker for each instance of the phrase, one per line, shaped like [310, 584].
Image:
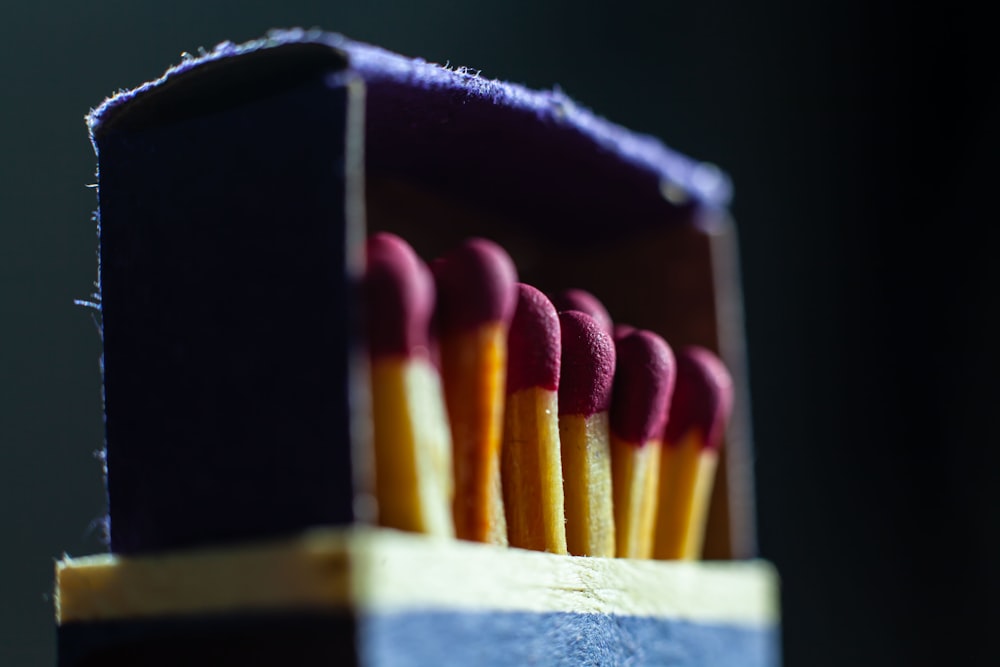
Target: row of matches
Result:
[506, 416]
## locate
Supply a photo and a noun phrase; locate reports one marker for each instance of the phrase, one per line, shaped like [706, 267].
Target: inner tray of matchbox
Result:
[654, 276]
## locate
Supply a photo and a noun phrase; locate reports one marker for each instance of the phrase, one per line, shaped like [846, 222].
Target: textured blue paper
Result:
[414, 639]
[560, 639]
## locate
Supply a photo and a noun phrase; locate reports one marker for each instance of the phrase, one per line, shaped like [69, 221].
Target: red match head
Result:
[399, 297]
[703, 397]
[476, 285]
[585, 302]
[645, 371]
[533, 343]
[588, 365]
[621, 330]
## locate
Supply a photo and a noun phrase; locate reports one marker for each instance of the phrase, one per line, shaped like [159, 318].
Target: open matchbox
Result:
[235, 194]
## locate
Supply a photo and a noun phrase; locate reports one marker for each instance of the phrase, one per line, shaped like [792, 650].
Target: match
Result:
[644, 383]
[532, 463]
[477, 294]
[412, 442]
[697, 421]
[587, 374]
[585, 302]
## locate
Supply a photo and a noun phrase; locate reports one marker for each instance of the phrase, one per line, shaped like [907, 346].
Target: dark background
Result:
[860, 137]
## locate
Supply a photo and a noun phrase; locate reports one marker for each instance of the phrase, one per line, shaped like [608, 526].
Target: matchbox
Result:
[235, 194]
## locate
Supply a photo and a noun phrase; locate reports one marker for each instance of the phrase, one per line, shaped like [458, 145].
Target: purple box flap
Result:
[534, 156]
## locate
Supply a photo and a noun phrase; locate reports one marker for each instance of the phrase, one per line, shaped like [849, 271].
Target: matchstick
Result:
[476, 298]
[644, 383]
[696, 423]
[587, 373]
[413, 471]
[532, 465]
[585, 302]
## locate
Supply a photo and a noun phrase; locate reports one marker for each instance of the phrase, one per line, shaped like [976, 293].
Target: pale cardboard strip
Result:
[385, 571]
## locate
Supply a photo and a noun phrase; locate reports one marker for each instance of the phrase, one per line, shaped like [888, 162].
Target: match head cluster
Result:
[564, 343]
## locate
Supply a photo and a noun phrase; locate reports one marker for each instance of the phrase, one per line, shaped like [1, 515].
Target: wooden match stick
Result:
[699, 412]
[587, 373]
[644, 383]
[532, 465]
[413, 472]
[585, 302]
[477, 294]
